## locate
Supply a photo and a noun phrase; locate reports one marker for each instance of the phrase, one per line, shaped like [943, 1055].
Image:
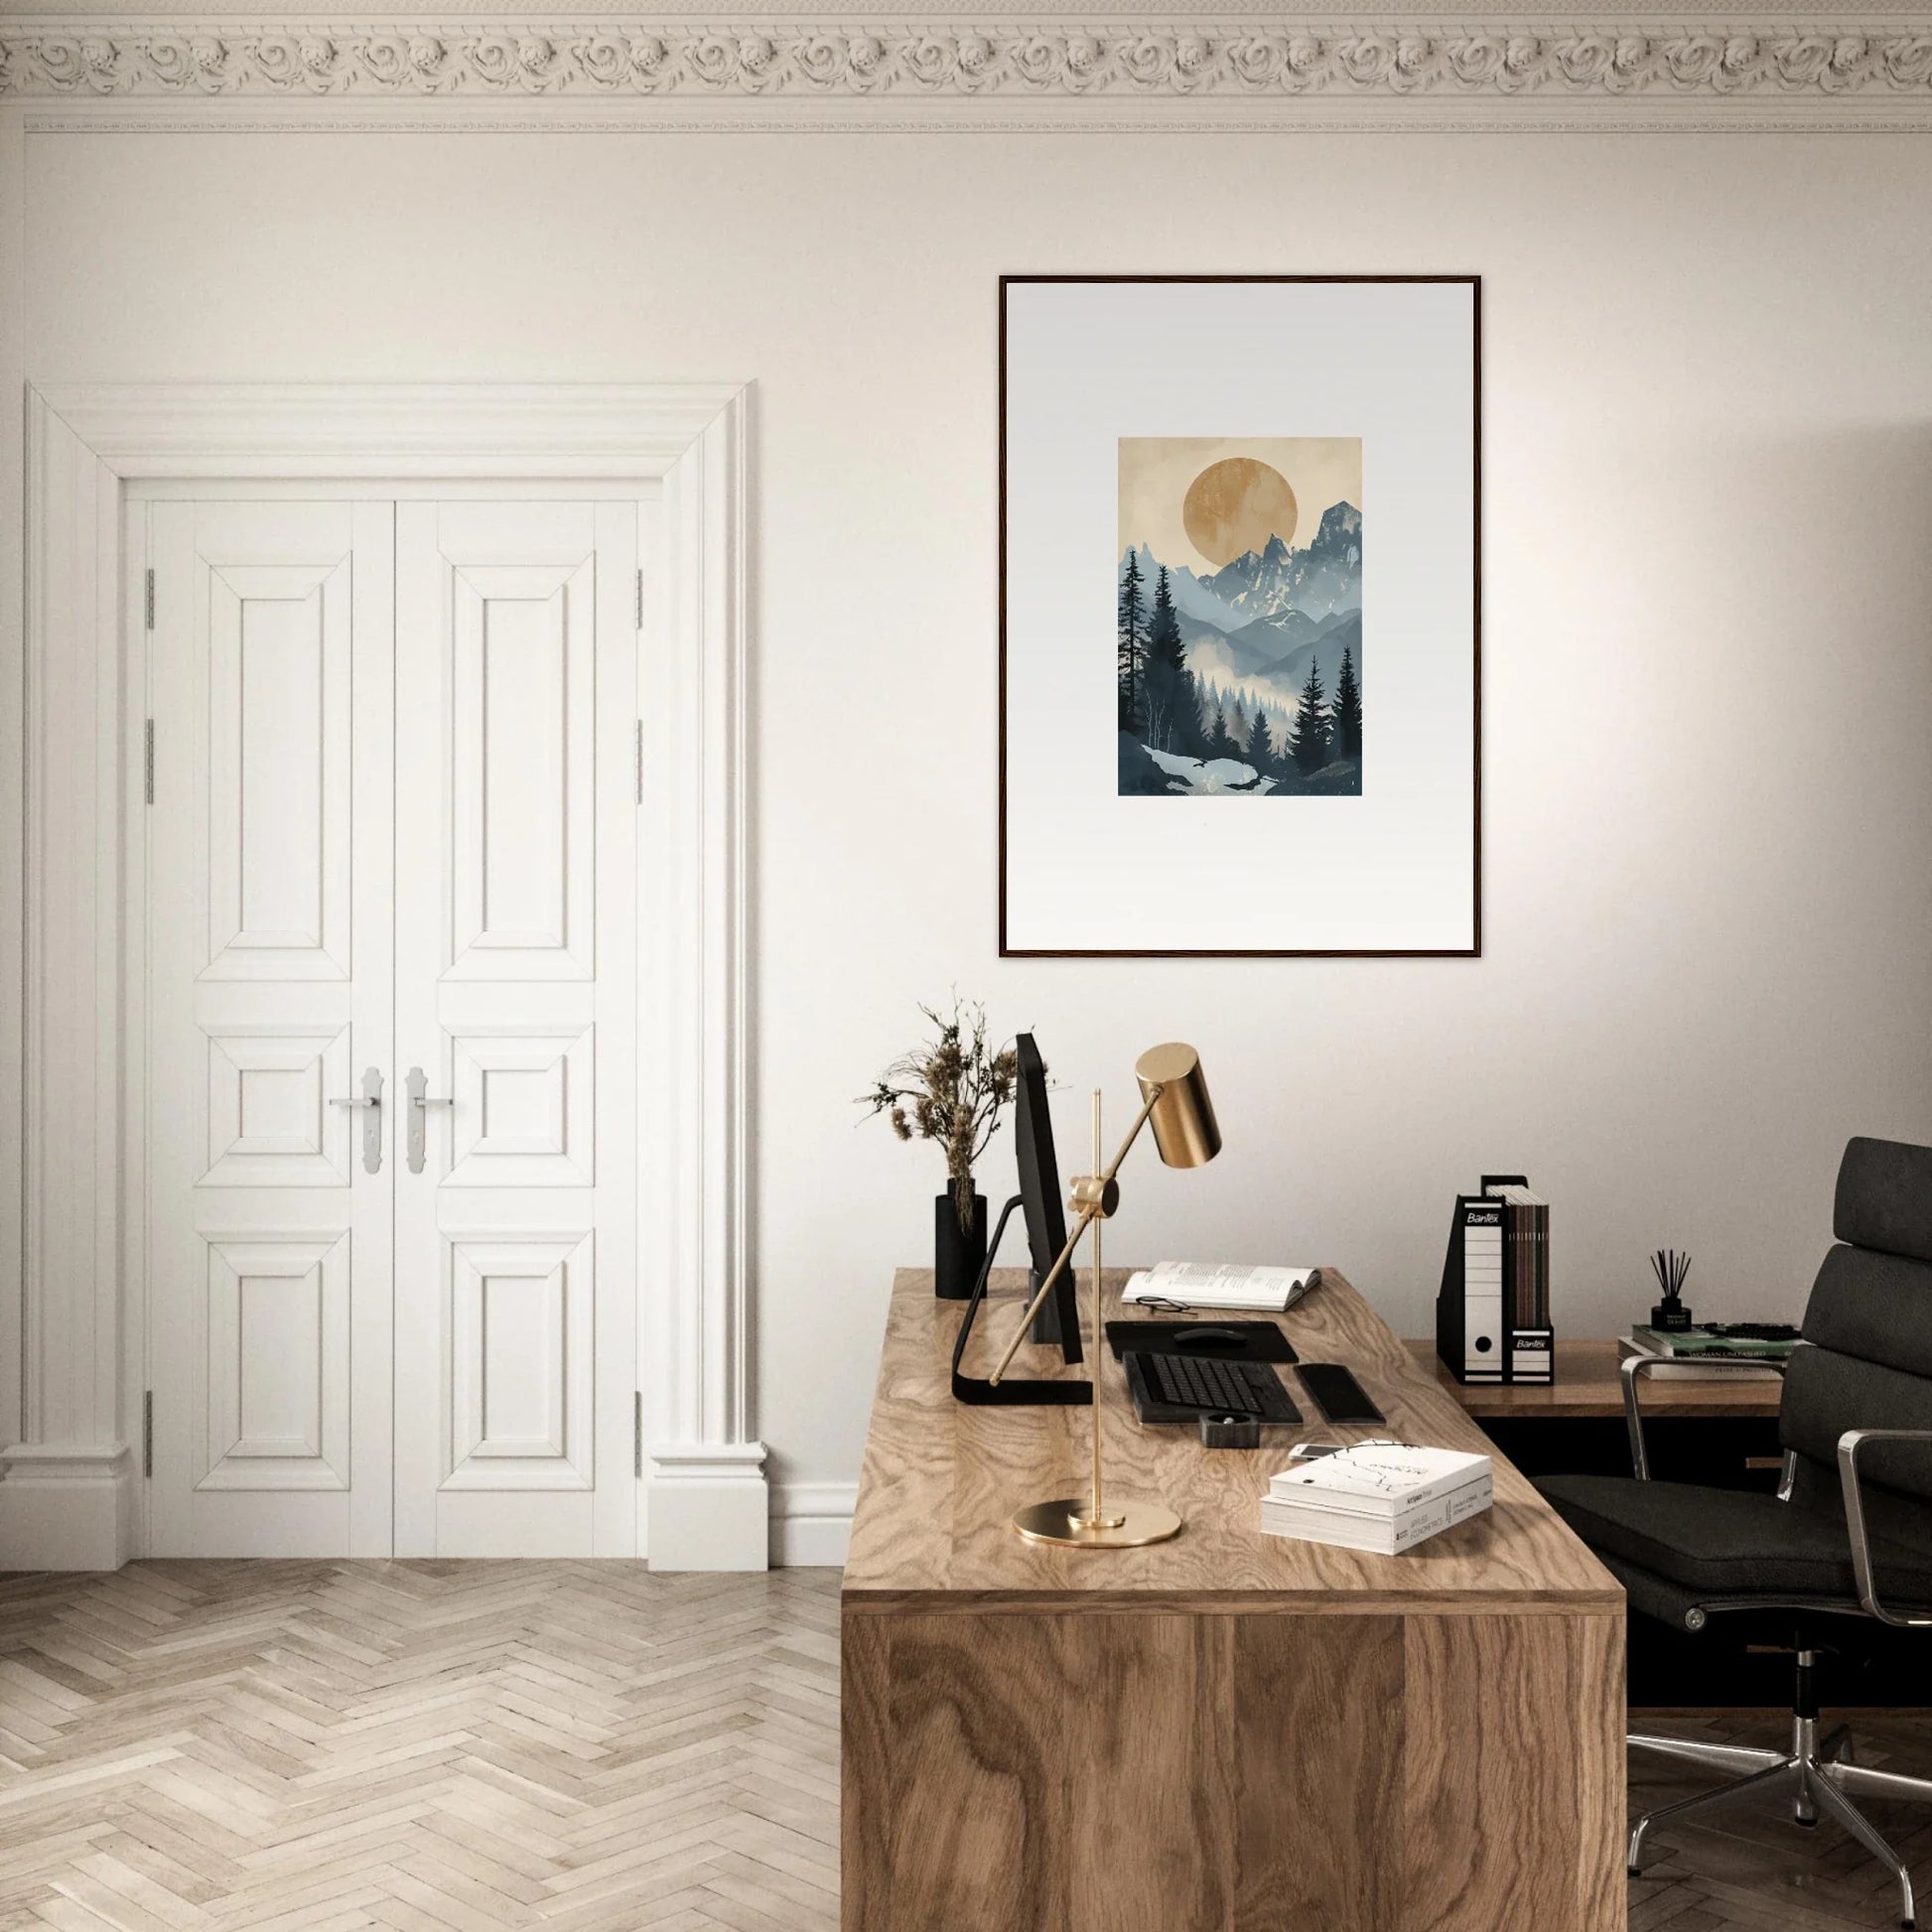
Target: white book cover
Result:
[1384, 1534]
[1219, 1285]
[1325, 1503]
[1381, 1476]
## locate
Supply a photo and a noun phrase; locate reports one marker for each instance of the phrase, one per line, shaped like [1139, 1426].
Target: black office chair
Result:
[1848, 1536]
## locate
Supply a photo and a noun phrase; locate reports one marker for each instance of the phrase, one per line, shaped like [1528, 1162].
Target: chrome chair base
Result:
[1817, 1774]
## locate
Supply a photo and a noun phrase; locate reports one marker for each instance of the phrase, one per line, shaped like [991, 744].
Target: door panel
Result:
[271, 1244]
[394, 830]
[523, 761]
[515, 982]
[279, 752]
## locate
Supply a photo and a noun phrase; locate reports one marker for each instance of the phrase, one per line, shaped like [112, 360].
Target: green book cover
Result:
[1701, 1341]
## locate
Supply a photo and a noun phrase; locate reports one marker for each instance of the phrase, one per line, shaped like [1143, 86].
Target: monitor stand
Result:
[1047, 1324]
[1012, 1391]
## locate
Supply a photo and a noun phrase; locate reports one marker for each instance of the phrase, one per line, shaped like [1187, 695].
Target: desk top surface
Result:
[942, 1479]
[1588, 1385]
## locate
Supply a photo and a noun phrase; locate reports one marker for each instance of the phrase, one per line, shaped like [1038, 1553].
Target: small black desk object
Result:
[1336, 1393]
[1226, 1342]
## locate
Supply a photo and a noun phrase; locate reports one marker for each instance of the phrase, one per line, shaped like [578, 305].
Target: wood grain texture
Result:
[1145, 1705]
[1137, 1772]
[1227, 1733]
[1513, 1770]
[1319, 1739]
[1588, 1386]
[865, 1721]
[978, 1807]
[940, 1481]
[427, 1747]
[196, 1745]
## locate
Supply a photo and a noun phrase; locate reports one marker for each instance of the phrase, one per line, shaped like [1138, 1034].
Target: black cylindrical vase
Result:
[957, 1255]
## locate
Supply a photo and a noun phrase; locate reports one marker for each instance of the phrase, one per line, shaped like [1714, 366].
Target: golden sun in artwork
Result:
[1236, 505]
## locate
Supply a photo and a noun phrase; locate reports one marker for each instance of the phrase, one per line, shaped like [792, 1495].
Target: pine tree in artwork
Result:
[1238, 723]
[1220, 741]
[1261, 748]
[1169, 700]
[1130, 650]
[1347, 709]
[1195, 716]
[1308, 742]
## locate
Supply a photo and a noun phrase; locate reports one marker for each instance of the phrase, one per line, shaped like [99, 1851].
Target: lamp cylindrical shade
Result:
[1184, 1128]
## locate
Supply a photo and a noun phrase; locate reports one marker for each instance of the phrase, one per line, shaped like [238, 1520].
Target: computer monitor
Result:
[1038, 1201]
[1039, 1198]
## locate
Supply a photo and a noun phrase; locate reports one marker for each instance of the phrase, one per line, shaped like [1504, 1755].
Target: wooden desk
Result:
[1588, 1386]
[1227, 1733]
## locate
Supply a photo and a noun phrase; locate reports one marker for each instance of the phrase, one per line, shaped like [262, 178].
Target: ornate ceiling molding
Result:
[1245, 70]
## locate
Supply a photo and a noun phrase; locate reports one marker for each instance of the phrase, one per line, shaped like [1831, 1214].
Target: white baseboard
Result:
[66, 1507]
[812, 1523]
[709, 1506]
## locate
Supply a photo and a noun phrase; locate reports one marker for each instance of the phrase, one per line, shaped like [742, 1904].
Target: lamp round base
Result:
[1063, 1521]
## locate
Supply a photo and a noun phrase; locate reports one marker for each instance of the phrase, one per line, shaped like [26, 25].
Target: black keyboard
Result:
[1204, 1386]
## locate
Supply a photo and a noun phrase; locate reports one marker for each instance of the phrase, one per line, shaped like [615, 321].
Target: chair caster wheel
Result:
[1633, 1871]
[1809, 1824]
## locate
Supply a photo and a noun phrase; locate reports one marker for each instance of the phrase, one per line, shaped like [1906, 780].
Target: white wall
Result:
[1707, 703]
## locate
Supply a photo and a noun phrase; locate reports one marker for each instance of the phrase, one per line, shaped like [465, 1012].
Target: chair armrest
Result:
[1849, 1446]
[1634, 1367]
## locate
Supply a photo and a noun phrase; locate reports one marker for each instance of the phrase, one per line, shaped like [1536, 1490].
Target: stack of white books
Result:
[1380, 1496]
[1215, 1285]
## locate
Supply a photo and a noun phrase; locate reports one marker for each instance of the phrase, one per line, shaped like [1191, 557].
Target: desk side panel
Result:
[1116, 1773]
[1513, 1774]
[1317, 1729]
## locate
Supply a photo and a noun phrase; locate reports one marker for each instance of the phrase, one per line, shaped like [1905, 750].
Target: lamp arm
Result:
[1133, 1134]
[1088, 1215]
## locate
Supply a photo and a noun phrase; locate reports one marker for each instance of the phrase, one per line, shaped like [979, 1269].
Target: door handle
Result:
[420, 1102]
[370, 1100]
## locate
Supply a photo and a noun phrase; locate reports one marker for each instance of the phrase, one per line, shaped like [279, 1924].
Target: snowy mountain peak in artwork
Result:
[1324, 578]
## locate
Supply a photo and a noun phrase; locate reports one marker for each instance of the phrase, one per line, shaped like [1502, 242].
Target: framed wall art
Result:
[1240, 615]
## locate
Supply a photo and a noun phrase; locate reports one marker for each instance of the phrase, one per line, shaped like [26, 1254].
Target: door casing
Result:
[704, 1503]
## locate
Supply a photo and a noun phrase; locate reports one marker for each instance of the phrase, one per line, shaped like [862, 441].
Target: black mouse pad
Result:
[1223, 1341]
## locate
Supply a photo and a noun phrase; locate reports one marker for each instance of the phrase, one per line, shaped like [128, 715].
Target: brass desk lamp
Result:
[1173, 1098]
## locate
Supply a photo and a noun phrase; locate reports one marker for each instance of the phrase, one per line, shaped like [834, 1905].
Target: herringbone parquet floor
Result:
[463, 1747]
[1754, 1867]
[432, 1746]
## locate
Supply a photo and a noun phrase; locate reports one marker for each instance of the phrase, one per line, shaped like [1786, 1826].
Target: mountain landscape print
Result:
[1238, 590]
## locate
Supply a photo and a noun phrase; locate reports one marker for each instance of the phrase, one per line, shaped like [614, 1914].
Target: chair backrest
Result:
[1869, 1324]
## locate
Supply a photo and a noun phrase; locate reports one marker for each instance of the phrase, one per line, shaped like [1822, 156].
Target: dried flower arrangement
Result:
[951, 1090]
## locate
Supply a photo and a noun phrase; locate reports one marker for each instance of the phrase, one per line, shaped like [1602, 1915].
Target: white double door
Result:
[391, 861]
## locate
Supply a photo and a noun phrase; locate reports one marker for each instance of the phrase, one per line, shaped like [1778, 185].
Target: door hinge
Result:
[641, 599]
[641, 761]
[149, 599]
[147, 1434]
[638, 1434]
[147, 757]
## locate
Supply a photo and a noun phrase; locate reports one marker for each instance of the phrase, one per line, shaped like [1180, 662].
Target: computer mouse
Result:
[1208, 1338]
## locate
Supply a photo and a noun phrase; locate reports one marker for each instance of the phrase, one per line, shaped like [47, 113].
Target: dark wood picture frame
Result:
[1474, 949]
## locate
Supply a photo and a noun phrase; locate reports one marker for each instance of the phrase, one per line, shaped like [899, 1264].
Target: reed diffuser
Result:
[1670, 1314]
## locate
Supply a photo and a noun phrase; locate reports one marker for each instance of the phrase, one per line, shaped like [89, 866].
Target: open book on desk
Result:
[1216, 1284]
